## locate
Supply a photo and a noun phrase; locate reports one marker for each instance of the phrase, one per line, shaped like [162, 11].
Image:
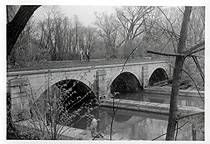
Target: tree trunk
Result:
[127, 48]
[172, 121]
[15, 27]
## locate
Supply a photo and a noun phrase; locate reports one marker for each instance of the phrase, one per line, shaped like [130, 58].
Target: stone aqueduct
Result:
[24, 84]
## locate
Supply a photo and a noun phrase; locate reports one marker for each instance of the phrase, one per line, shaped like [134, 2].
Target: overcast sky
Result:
[85, 13]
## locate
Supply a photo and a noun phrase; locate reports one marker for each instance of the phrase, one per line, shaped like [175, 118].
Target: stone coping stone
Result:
[148, 106]
[167, 90]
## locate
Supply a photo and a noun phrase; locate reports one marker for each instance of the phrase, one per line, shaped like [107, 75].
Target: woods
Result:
[57, 37]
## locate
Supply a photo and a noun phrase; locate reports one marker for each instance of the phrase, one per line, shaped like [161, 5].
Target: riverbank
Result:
[34, 131]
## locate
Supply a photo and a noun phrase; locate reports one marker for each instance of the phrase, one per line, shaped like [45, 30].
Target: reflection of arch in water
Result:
[125, 82]
[120, 117]
[158, 75]
[70, 94]
[130, 113]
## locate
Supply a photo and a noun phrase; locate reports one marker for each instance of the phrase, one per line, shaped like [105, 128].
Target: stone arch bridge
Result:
[102, 79]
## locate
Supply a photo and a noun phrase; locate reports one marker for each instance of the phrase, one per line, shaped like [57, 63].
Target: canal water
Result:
[136, 125]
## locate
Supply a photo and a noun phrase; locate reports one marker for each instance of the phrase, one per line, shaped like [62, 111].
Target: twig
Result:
[166, 54]
[195, 51]
[177, 127]
[112, 120]
[166, 44]
[190, 115]
[129, 57]
[180, 10]
[199, 68]
[168, 21]
[170, 131]
[171, 54]
[194, 84]
[189, 51]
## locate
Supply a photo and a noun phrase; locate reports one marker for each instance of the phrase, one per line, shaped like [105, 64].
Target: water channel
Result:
[136, 125]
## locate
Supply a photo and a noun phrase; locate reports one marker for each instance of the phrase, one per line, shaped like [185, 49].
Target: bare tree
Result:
[132, 21]
[181, 55]
[162, 29]
[45, 29]
[51, 32]
[108, 31]
[77, 31]
[90, 37]
[25, 47]
[177, 74]
[196, 35]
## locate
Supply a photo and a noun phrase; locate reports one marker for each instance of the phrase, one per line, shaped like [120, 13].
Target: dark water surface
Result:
[135, 125]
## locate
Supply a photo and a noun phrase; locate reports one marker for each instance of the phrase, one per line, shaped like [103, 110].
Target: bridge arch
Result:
[70, 90]
[73, 89]
[125, 82]
[72, 98]
[159, 74]
[49, 80]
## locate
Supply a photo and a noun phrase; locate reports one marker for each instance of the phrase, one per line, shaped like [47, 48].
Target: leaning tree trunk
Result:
[15, 27]
[177, 76]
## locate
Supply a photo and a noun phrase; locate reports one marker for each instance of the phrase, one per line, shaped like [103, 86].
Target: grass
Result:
[71, 63]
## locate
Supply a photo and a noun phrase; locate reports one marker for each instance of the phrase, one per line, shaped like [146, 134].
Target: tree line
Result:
[57, 37]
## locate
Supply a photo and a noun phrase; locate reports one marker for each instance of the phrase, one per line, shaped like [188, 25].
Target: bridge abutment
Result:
[19, 91]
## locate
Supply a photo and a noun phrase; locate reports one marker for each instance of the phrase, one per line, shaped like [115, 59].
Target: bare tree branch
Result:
[168, 21]
[165, 54]
[171, 54]
[199, 67]
[188, 51]
[177, 74]
[181, 117]
[173, 130]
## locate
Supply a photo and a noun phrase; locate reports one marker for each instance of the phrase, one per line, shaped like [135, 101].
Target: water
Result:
[135, 125]
[129, 125]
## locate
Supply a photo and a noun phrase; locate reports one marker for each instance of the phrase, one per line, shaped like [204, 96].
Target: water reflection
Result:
[135, 125]
[140, 125]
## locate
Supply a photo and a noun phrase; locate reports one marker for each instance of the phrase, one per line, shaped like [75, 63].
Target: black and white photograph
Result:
[128, 73]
